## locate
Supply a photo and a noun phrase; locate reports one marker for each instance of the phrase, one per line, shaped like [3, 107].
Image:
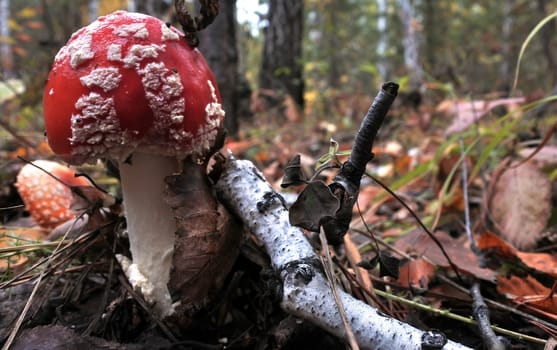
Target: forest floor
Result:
[74, 294]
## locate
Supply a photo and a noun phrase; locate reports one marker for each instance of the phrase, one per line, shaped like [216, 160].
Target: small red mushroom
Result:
[46, 199]
[128, 87]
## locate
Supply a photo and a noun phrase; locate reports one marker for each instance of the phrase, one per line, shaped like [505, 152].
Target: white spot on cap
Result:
[137, 53]
[114, 52]
[214, 115]
[163, 90]
[51, 91]
[106, 78]
[137, 30]
[168, 34]
[96, 128]
[213, 110]
[78, 49]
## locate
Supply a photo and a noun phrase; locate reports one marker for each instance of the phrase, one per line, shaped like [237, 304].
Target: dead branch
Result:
[306, 293]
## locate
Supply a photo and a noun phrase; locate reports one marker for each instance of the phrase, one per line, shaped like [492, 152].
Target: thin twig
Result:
[421, 224]
[481, 314]
[466, 203]
[23, 313]
[104, 300]
[465, 319]
[15, 135]
[501, 306]
[328, 267]
[447, 313]
[21, 317]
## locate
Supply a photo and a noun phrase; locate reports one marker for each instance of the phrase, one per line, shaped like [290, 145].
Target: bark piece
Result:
[207, 241]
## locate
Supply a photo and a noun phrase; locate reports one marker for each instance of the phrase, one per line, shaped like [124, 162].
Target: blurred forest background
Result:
[325, 58]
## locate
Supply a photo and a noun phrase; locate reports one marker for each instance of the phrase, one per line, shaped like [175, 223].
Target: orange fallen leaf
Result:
[542, 262]
[530, 293]
[416, 273]
[492, 242]
[238, 147]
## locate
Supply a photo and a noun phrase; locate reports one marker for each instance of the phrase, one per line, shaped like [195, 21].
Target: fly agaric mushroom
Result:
[48, 200]
[128, 87]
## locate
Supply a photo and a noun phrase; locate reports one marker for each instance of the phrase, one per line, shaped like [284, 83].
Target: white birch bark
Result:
[132, 6]
[93, 9]
[6, 53]
[411, 43]
[382, 65]
[306, 293]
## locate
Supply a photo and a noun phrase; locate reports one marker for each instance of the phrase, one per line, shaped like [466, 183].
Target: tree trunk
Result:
[281, 67]
[93, 9]
[430, 34]
[411, 43]
[132, 5]
[333, 42]
[382, 65]
[6, 53]
[218, 45]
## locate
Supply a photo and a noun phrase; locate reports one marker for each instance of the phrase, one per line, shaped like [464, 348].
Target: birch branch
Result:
[306, 294]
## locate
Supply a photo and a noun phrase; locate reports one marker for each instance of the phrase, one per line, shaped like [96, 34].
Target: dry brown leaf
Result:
[520, 204]
[366, 196]
[419, 243]
[207, 240]
[468, 112]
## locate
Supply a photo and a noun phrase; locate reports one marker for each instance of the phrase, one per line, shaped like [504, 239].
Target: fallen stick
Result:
[305, 292]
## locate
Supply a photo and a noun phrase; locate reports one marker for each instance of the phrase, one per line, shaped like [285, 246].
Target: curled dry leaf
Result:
[468, 112]
[315, 204]
[520, 204]
[207, 241]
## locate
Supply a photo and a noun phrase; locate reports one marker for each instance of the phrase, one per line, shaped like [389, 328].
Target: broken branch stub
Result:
[209, 9]
[346, 184]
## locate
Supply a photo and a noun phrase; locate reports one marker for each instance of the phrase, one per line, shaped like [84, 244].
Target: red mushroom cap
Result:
[46, 199]
[128, 81]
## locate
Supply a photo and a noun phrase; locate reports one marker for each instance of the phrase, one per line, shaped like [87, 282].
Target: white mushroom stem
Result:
[151, 227]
